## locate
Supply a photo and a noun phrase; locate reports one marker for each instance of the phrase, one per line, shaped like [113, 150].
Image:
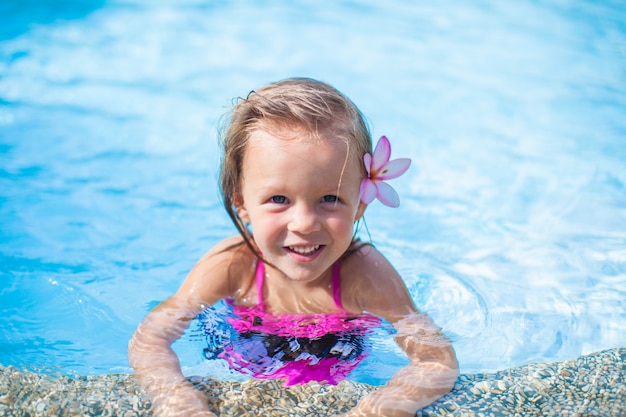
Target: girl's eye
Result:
[278, 199]
[330, 199]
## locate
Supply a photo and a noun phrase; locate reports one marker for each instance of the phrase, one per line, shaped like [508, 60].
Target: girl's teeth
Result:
[304, 250]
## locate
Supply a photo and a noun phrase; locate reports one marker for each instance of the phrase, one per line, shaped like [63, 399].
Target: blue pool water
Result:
[512, 228]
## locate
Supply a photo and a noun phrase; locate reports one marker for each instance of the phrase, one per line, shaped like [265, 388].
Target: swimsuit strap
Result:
[335, 284]
[260, 279]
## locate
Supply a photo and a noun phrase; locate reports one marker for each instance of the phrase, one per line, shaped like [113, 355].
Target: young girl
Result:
[297, 173]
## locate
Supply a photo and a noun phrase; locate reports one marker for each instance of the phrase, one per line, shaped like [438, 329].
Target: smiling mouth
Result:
[304, 250]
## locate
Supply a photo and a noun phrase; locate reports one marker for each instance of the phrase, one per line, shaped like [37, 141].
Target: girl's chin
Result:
[301, 271]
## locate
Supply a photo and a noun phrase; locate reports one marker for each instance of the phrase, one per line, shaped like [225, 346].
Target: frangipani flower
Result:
[380, 168]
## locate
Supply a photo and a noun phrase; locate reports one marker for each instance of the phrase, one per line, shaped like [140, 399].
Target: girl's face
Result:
[301, 197]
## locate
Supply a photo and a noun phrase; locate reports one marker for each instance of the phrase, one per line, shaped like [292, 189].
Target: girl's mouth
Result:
[304, 250]
[304, 253]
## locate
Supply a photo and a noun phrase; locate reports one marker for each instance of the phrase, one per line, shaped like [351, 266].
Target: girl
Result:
[297, 173]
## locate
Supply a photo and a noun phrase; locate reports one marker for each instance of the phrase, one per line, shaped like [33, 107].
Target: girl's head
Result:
[312, 108]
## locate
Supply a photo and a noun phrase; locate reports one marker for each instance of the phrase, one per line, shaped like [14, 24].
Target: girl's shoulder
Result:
[363, 262]
[222, 272]
[369, 282]
[233, 246]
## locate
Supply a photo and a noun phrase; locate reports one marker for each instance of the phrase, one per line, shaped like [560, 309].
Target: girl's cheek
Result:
[342, 226]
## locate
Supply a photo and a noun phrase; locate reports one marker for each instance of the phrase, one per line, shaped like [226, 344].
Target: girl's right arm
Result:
[156, 366]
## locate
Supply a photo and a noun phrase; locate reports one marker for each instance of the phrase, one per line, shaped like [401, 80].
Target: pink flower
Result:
[380, 168]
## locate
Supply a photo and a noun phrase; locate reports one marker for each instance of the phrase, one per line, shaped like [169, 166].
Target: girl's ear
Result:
[360, 211]
[237, 200]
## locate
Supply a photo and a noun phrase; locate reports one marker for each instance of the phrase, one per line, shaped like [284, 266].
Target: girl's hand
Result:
[389, 401]
[183, 400]
[431, 373]
[402, 397]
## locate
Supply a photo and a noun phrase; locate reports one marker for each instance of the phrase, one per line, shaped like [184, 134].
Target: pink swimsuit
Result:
[295, 347]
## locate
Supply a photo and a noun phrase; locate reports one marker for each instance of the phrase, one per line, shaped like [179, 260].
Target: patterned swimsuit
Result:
[297, 348]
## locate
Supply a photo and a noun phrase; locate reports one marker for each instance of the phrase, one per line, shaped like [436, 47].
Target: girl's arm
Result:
[430, 374]
[156, 366]
[433, 369]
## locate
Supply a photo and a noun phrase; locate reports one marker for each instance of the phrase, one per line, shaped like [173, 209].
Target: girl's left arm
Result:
[433, 367]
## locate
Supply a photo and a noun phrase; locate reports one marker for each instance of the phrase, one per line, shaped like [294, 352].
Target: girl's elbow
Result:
[134, 351]
[451, 359]
[144, 344]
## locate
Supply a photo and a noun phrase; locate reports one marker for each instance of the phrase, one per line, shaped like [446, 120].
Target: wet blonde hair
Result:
[311, 106]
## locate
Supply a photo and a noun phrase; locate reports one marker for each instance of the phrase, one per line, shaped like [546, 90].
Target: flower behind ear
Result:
[379, 168]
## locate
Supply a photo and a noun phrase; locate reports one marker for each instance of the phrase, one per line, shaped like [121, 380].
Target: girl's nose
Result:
[304, 220]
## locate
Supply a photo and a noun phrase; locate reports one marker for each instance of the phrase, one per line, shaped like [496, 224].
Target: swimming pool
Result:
[512, 228]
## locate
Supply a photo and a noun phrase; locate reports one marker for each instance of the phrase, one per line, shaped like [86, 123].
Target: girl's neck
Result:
[282, 294]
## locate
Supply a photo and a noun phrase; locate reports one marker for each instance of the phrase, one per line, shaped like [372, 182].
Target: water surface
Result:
[512, 228]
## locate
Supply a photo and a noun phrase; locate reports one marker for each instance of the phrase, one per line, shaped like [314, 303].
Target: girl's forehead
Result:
[297, 146]
[285, 137]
